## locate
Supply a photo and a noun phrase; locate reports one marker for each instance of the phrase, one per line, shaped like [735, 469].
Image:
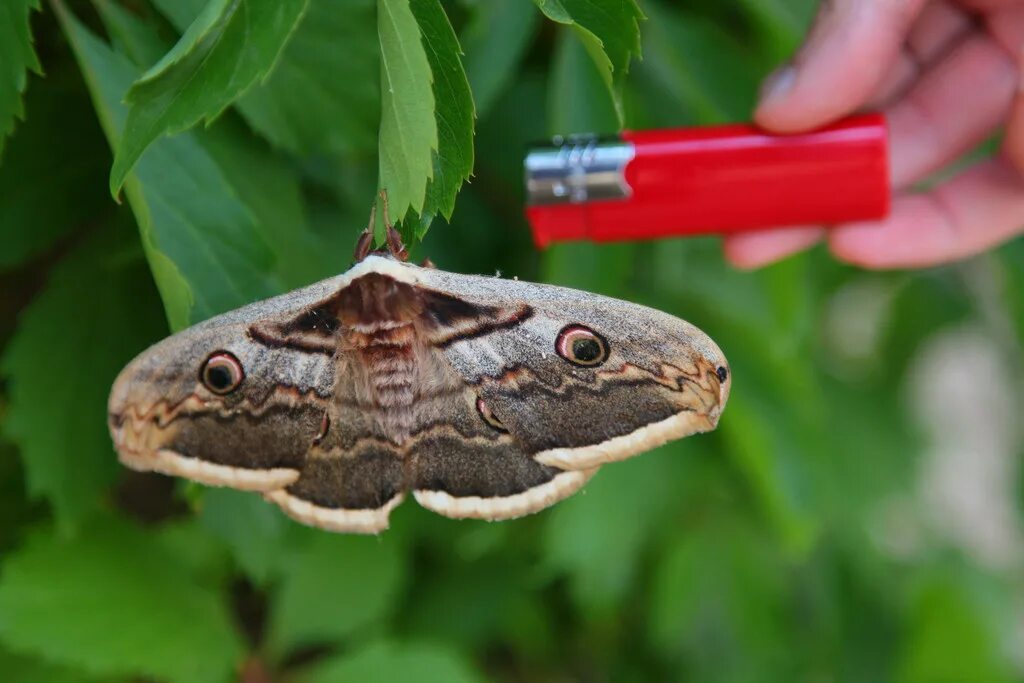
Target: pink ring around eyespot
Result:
[564, 338]
[569, 334]
[227, 360]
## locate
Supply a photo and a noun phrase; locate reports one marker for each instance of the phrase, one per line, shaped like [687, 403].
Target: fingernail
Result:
[778, 84]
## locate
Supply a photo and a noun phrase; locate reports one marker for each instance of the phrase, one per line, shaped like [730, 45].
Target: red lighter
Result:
[681, 181]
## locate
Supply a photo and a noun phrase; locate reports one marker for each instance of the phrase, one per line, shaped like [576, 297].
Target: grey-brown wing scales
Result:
[527, 426]
[346, 490]
[656, 378]
[503, 424]
[455, 462]
[463, 463]
[352, 475]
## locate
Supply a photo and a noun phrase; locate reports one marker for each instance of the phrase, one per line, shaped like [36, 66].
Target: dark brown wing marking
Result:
[313, 330]
[351, 492]
[504, 319]
[588, 408]
[365, 479]
[493, 480]
[257, 452]
[352, 477]
[368, 303]
[462, 466]
[279, 437]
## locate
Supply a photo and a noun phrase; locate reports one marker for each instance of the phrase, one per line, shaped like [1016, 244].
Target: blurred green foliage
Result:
[791, 545]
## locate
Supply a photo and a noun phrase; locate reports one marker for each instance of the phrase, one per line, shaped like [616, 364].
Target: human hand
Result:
[948, 73]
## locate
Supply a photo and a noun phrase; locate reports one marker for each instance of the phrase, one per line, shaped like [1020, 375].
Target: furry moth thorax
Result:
[483, 397]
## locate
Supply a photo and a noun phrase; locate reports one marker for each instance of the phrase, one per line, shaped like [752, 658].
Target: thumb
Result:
[851, 47]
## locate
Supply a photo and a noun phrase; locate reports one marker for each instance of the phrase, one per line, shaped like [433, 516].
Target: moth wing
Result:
[456, 463]
[352, 476]
[163, 419]
[662, 378]
[462, 463]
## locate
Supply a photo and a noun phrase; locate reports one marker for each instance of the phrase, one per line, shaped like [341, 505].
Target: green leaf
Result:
[600, 268]
[953, 637]
[1011, 260]
[495, 40]
[16, 58]
[679, 80]
[592, 537]
[764, 449]
[500, 141]
[270, 189]
[495, 595]
[578, 102]
[783, 23]
[775, 432]
[23, 669]
[454, 113]
[111, 602]
[15, 510]
[198, 551]
[230, 45]
[867, 467]
[718, 600]
[203, 243]
[610, 31]
[408, 128]
[130, 34]
[51, 155]
[261, 179]
[253, 530]
[61, 363]
[318, 98]
[358, 577]
[392, 661]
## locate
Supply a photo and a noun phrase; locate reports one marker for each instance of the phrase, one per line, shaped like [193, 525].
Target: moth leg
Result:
[486, 479]
[395, 245]
[363, 244]
[394, 238]
[345, 491]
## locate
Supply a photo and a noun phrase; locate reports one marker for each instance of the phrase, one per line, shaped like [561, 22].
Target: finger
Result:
[988, 6]
[1013, 141]
[749, 250]
[853, 44]
[974, 211]
[953, 107]
[938, 27]
[900, 78]
[1008, 27]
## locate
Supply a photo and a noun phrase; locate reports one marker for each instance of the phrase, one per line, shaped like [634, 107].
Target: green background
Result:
[856, 517]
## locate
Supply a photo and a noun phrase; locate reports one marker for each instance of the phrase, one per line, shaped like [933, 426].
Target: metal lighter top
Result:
[578, 168]
[659, 183]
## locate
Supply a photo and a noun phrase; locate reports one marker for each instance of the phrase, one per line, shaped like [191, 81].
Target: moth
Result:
[482, 397]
